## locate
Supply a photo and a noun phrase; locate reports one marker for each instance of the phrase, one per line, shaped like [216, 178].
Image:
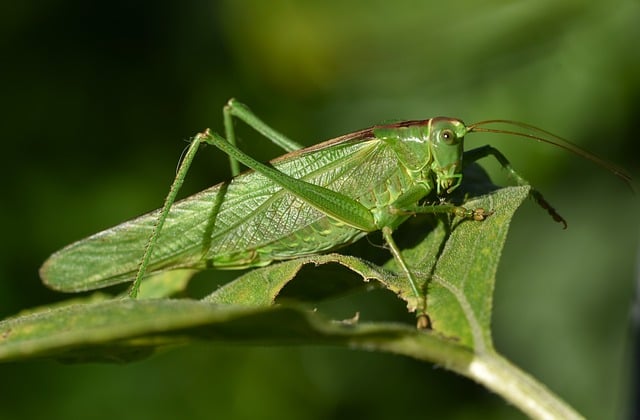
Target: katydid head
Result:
[532, 132]
[446, 138]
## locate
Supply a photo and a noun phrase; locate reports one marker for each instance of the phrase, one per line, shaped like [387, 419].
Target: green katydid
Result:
[308, 201]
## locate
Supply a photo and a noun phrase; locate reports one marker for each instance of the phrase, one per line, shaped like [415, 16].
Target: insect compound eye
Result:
[448, 136]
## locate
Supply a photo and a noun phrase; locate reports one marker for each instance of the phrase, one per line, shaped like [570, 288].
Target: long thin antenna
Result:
[550, 138]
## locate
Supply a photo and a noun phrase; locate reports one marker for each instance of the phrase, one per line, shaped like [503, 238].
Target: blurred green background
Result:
[98, 99]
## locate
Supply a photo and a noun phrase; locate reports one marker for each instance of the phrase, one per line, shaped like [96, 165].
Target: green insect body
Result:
[308, 201]
[252, 221]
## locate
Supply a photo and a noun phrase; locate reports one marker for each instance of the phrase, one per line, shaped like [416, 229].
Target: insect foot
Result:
[478, 214]
[423, 322]
[481, 214]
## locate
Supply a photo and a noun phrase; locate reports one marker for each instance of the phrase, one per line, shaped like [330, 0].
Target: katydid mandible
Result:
[308, 201]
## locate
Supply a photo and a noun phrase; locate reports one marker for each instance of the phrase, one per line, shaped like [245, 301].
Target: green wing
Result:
[247, 222]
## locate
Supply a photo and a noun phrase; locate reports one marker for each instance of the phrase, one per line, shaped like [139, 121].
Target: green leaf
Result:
[116, 330]
[462, 268]
[456, 262]
[262, 286]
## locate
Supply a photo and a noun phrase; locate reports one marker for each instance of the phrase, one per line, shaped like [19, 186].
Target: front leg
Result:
[484, 151]
[478, 214]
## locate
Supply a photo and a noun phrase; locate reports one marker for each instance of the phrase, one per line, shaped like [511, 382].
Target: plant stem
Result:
[487, 368]
[517, 387]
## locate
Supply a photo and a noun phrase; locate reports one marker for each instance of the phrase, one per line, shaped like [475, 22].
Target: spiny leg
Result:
[230, 110]
[236, 109]
[477, 214]
[484, 151]
[337, 205]
[185, 164]
[423, 320]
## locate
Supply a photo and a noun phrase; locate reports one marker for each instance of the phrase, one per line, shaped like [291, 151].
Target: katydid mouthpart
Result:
[308, 201]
